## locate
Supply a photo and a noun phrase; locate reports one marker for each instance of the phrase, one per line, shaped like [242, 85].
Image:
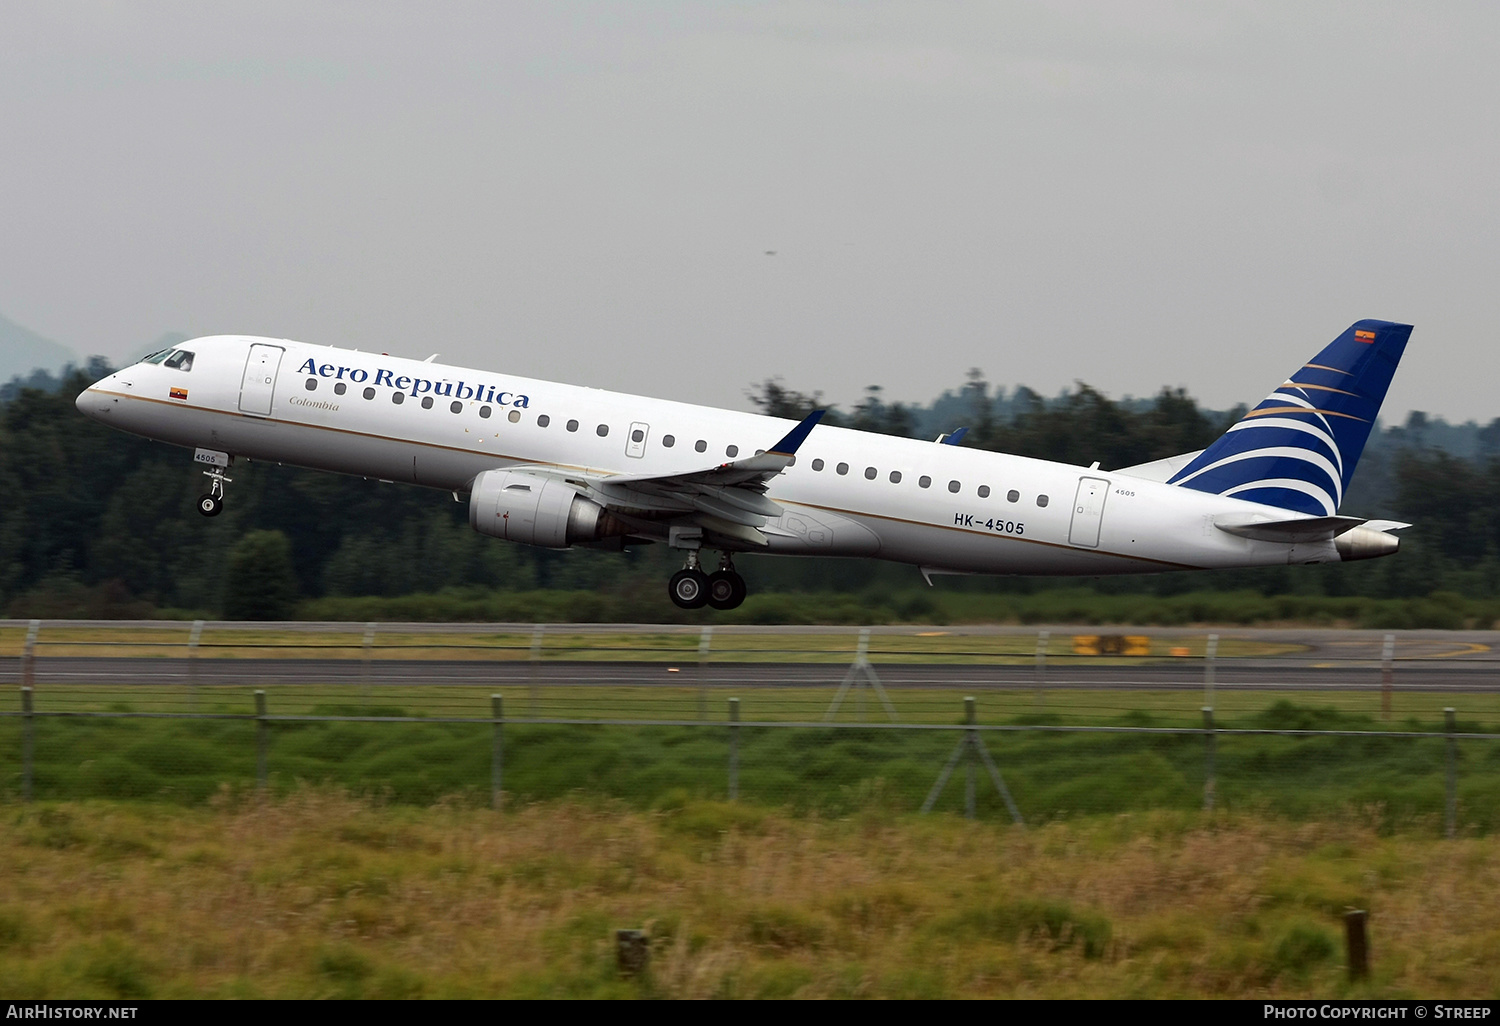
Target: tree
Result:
[260, 583]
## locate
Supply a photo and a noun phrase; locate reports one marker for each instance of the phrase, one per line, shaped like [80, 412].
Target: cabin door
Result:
[1088, 511]
[259, 383]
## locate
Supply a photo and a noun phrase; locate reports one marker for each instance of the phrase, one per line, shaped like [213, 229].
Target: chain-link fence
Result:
[1016, 723]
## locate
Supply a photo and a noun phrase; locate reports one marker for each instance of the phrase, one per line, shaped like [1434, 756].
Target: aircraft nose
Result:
[92, 403]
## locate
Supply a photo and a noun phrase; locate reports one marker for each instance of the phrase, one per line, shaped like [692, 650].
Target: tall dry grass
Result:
[323, 895]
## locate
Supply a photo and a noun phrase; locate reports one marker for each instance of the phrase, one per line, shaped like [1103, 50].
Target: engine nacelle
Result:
[537, 510]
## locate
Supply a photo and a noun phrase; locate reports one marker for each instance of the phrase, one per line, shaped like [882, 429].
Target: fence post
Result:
[537, 634]
[1357, 944]
[1042, 637]
[367, 652]
[193, 636]
[497, 751]
[28, 654]
[1387, 656]
[1450, 804]
[1208, 758]
[734, 749]
[1210, 653]
[972, 737]
[262, 740]
[705, 641]
[28, 742]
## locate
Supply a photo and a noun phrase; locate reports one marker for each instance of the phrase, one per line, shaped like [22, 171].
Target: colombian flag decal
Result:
[178, 393]
[1365, 336]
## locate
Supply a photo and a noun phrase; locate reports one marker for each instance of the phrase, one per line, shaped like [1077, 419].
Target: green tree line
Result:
[94, 522]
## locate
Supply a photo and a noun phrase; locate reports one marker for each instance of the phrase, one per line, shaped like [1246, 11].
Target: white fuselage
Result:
[939, 506]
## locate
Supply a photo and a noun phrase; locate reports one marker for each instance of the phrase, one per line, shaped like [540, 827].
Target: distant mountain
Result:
[23, 351]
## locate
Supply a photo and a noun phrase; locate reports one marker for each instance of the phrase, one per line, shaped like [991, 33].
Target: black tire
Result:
[726, 589]
[688, 589]
[210, 505]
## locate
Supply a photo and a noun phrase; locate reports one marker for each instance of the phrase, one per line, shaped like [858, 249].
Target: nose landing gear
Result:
[212, 503]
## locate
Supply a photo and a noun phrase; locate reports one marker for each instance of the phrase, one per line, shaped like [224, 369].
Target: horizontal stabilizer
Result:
[1301, 529]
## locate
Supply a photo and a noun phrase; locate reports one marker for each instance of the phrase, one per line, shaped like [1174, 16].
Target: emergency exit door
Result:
[259, 384]
[1088, 511]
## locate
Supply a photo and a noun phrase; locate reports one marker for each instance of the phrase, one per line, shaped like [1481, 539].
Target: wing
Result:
[727, 501]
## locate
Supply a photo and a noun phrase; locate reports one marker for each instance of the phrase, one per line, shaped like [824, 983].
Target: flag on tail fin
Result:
[1297, 450]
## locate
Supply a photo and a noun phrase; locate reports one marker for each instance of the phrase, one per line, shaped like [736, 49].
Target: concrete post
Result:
[28, 654]
[497, 751]
[734, 749]
[262, 741]
[1450, 803]
[28, 742]
[1042, 638]
[972, 739]
[1208, 759]
[1210, 655]
[1387, 674]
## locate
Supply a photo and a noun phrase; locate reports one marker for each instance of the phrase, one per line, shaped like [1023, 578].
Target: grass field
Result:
[317, 894]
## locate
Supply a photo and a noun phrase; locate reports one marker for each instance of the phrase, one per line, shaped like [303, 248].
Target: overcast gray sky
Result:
[1132, 194]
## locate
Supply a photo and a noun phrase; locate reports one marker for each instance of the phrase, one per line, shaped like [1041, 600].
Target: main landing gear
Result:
[691, 588]
[212, 503]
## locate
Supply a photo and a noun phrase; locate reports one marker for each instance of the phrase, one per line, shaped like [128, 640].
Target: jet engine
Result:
[537, 510]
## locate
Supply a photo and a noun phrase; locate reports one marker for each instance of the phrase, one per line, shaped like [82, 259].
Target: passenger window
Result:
[370, 393]
[602, 430]
[842, 468]
[514, 416]
[667, 441]
[732, 451]
[179, 360]
[484, 413]
[427, 402]
[1012, 496]
[312, 384]
[895, 477]
[339, 388]
[1041, 500]
[572, 425]
[396, 397]
[543, 420]
[700, 445]
[870, 473]
[637, 435]
[954, 486]
[817, 464]
[984, 491]
[924, 481]
[455, 407]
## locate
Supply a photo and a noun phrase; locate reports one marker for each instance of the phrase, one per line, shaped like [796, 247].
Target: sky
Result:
[684, 199]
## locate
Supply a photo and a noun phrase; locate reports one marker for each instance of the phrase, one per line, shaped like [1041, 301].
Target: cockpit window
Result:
[180, 359]
[157, 357]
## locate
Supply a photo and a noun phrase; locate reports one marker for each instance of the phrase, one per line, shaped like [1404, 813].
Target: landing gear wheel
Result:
[210, 505]
[726, 589]
[688, 588]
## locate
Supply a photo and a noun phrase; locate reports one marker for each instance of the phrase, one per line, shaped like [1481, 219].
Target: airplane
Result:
[558, 465]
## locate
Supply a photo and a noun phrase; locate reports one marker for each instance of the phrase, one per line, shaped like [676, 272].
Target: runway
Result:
[1321, 659]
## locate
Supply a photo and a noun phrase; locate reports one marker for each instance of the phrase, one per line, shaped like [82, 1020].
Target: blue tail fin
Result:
[1297, 450]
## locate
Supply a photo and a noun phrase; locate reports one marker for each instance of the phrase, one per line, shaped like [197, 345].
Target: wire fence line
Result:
[886, 762]
[1043, 722]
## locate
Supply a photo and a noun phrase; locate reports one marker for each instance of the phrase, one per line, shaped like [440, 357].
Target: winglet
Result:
[796, 436]
[956, 437]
